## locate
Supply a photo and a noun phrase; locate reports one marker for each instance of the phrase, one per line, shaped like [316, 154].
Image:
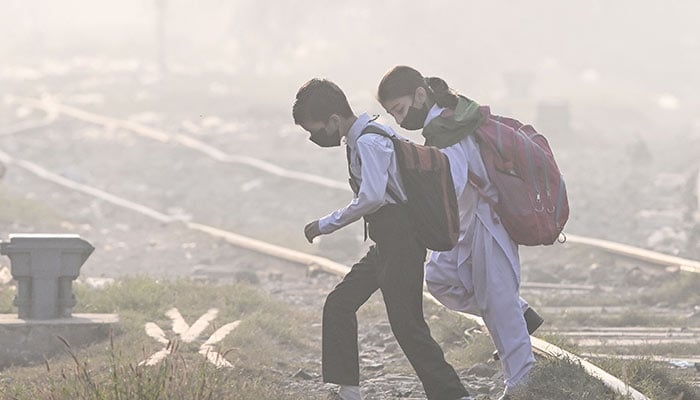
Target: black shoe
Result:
[532, 320]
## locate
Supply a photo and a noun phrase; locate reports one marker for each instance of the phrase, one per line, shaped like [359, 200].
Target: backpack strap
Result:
[375, 129]
[378, 131]
[479, 185]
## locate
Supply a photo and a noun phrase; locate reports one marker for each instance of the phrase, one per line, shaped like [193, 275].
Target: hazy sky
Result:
[643, 48]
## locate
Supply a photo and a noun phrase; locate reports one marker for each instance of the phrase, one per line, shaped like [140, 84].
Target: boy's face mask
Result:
[322, 138]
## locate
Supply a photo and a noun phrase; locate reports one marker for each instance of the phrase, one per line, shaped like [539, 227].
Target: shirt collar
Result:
[434, 112]
[357, 127]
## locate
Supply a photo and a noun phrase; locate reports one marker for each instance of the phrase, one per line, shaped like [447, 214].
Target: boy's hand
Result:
[311, 230]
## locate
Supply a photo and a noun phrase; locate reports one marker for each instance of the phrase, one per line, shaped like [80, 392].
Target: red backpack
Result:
[427, 180]
[532, 202]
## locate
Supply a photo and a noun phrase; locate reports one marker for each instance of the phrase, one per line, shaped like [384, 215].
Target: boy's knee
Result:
[337, 304]
[332, 303]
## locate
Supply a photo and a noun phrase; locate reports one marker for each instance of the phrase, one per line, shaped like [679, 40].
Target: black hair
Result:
[402, 81]
[317, 100]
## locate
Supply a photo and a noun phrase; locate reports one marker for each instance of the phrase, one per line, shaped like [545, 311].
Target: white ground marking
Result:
[188, 334]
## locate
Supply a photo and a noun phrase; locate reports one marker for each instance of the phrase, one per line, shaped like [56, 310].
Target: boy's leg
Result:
[340, 361]
[402, 287]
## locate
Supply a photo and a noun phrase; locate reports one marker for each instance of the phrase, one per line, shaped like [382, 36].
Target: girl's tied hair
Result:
[441, 92]
[402, 80]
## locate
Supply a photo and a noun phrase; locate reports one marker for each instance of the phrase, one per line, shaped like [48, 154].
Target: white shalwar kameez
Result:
[481, 274]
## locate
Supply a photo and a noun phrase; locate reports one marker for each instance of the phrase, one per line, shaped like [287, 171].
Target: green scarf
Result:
[443, 132]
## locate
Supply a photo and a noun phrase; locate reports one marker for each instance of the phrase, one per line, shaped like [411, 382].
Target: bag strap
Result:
[378, 131]
[479, 185]
[375, 129]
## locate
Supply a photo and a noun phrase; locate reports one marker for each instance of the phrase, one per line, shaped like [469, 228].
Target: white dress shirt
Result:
[374, 168]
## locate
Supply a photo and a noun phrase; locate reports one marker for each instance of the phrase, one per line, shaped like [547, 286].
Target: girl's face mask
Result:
[415, 118]
[405, 111]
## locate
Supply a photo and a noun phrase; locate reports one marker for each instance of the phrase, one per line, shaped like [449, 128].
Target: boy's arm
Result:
[376, 154]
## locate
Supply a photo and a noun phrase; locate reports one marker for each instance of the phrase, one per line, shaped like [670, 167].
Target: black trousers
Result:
[394, 265]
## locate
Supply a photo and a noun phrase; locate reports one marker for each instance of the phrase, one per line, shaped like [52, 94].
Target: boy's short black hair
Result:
[317, 100]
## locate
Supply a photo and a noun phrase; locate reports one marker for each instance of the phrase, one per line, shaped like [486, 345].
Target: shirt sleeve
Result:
[376, 153]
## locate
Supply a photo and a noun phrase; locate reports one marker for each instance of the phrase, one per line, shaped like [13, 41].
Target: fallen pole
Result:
[637, 253]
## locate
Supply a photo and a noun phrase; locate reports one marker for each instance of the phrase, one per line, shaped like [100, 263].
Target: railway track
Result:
[295, 256]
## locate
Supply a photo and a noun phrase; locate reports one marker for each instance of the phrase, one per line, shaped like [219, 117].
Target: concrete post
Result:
[45, 266]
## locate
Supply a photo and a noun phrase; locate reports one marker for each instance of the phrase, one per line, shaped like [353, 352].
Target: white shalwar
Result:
[481, 274]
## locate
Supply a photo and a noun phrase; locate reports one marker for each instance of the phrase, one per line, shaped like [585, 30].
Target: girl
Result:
[481, 274]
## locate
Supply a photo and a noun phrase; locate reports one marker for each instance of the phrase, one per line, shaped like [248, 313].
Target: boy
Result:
[394, 264]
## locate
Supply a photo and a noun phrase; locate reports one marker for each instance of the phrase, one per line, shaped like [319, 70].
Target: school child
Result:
[394, 264]
[481, 275]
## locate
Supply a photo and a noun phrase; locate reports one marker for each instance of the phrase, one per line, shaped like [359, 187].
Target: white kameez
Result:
[481, 275]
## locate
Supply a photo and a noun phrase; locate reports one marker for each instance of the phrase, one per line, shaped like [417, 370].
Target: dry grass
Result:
[563, 379]
[651, 378]
[269, 331]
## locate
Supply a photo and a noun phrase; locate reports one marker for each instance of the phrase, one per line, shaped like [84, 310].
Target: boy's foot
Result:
[533, 320]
